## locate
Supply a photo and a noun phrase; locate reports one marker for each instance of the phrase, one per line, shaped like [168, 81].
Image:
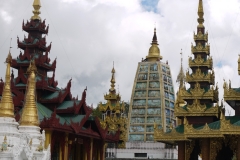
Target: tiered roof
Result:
[57, 109]
[113, 112]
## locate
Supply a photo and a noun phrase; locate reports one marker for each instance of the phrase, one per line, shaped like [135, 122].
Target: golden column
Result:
[29, 114]
[91, 149]
[48, 138]
[6, 105]
[238, 148]
[66, 147]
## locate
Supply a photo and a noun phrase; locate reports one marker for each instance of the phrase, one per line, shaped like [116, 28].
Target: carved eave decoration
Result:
[199, 48]
[197, 109]
[228, 128]
[199, 61]
[108, 106]
[205, 132]
[200, 77]
[116, 97]
[170, 137]
[200, 36]
[229, 93]
[198, 93]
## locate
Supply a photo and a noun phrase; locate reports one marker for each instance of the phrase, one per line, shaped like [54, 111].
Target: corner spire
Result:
[181, 78]
[6, 104]
[36, 11]
[154, 51]
[112, 80]
[200, 14]
[29, 114]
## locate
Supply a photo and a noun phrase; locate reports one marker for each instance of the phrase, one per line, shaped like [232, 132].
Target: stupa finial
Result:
[36, 11]
[6, 105]
[113, 79]
[200, 14]
[181, 78]
[29, 114]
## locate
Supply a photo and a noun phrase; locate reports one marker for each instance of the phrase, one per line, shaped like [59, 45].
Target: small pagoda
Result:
[203, 129]
[113, 117]
[69, 128]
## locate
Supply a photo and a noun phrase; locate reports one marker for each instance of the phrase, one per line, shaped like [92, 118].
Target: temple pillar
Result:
[181, 150]
[66, 147]
[238, 149]
[48, 138]
[205, 149]
[60, 152]
[91, 149]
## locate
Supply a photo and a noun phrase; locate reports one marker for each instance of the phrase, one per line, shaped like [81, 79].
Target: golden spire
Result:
[29, 114]
[154, 51]
[6, 105]
[36, 11]
[112, 80]
[181, 78]
[200, 14]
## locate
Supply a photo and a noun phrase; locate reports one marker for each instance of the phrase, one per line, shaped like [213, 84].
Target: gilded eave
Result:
[228, 128]
[199, 93]
[108, 106]
[230, 94]
[170, 137]
[199, 61]
[200, 37]
[199, 48]
[199, 76]
[204, 132]
[196, 109]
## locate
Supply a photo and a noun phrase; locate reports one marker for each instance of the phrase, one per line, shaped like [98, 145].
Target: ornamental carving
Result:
[173, 135]
[200, 76]
[199, 93]
[200, 36]
[215, 146]
[199, 48]
[228, 128]
[189, 148]
[205, 131]
[230, 93]
[199, 61]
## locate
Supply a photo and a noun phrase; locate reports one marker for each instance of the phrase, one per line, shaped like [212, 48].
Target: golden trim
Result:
[199, 61]
[199, 76]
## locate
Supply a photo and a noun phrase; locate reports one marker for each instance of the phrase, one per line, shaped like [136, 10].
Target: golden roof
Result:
[36, 11]
[154, 51]
[6, 105]
[29, 114]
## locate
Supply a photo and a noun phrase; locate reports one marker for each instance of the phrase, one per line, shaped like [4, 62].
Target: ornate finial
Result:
[154, 51]
[200, 14]
[36, 11]
[113, 79]
[181, 78]
[6, 105]
[29, 114]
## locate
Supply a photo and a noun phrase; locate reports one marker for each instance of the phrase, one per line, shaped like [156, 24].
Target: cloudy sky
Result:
[88, 35]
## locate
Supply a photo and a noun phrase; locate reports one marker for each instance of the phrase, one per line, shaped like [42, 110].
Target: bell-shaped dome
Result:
[154, 51]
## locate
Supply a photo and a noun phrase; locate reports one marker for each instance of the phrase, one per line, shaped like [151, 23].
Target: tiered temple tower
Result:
[69, 127]
[204, 131]
[113, 117]
[152, 101]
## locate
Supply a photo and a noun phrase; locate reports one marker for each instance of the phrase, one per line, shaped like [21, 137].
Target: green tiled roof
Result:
[43, 111]
[51, 96]
[20, 84]
[67, 104]
[180, 128]
[236, 89]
